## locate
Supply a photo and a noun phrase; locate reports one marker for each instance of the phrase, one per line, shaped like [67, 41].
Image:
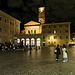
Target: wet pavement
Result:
[40, 62]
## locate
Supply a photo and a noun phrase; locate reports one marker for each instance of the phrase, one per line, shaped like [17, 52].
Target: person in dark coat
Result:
[57, 52]
[30, 49]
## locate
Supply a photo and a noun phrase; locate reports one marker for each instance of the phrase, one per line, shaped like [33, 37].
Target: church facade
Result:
[41, 34]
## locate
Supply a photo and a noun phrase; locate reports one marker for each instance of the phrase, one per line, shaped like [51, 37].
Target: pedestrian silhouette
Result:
[57, 52]
[64, 49]
[30, 49]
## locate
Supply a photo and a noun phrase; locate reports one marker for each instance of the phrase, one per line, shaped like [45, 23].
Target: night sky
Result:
[27, 10]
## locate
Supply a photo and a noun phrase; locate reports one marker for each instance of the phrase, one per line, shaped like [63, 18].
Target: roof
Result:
[32, 23]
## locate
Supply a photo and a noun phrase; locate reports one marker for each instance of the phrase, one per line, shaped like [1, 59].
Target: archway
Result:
[32, 42]
[23, 41]
[38, 41]
[27, 42]
[18, 40]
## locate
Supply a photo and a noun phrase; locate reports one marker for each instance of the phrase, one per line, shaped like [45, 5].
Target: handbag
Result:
[55, 52]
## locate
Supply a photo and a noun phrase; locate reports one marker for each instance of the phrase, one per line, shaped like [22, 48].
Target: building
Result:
[9, 27]
[41, 34]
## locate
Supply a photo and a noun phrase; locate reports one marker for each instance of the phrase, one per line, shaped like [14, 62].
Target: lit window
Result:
[34, 31]
[55, 31]
[41, 9]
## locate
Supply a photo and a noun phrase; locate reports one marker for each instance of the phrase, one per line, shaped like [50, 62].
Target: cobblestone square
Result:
[39, 62]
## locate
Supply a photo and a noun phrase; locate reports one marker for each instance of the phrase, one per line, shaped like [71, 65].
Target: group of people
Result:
[64, 51]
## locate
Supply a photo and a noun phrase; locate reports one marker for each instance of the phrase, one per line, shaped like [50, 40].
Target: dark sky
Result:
[27, 10]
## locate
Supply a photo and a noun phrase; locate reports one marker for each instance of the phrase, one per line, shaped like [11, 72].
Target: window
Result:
[0, 18]
[43, 43]
[48, 42]
[60, 37]
[55, 37]
[49, 26]
[60, 26]
[49, 31]
[66, 37]
[66, 42]
[31, 31]
[54, 26]
[11, 23]
[54, 31]
[11, 32]
[66, 31]
[43, 26]
[4, 30]
[43, 37]
[0, 29]
[16, 25]
[28, 32]
[34, 31]
[66, 25]
[60, 31]
[43, 31]
[48, 37]
[54, 42]
[5, 20]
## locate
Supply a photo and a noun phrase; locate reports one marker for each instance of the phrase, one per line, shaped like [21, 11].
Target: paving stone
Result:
[40, 62]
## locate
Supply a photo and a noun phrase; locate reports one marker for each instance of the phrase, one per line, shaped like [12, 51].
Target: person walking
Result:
[57, 52]
[64, 49]
[30, 49]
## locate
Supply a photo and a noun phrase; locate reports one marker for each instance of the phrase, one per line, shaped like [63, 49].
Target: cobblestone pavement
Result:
[40, 62]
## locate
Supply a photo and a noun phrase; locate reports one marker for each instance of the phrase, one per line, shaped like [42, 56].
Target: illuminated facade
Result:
[41, 34]
[47, 34]
[9, 27]
[41, 15]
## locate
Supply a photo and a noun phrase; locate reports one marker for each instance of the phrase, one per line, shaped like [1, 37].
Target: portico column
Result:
[35, 42]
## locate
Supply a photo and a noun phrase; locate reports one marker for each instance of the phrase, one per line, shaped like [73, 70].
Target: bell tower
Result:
[41, 15]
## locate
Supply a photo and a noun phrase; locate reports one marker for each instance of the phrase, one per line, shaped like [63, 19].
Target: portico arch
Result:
[38, 41]
[27, 41]
[23, 41]
[32, 41]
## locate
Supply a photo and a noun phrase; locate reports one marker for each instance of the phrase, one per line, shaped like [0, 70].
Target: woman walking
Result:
[64, 49]
[57, 52]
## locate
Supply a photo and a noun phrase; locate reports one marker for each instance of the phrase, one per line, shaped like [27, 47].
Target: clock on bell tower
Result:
[41, 15]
